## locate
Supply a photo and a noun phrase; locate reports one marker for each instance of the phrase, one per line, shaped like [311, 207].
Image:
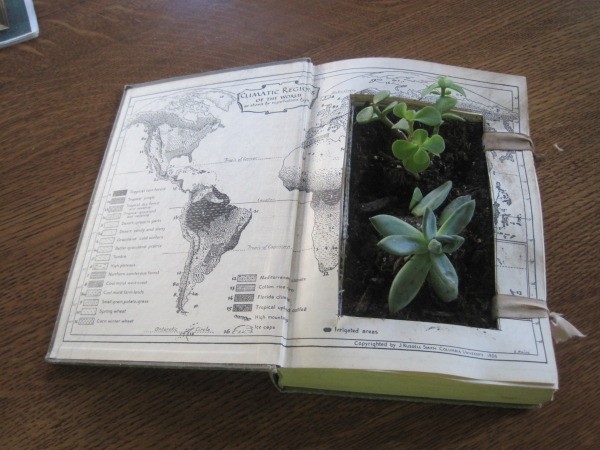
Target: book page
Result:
[185, 255]
[319, 337]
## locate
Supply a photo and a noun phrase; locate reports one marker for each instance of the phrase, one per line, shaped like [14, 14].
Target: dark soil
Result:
[379, 185]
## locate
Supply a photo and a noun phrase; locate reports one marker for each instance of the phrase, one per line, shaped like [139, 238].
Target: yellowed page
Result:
[319, 337]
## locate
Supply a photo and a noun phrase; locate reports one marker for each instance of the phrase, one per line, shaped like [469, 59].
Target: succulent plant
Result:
[415, 146]
[426, 248]
[443, 88]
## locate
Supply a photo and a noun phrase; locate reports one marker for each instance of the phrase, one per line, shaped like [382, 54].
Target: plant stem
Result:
[390, 124]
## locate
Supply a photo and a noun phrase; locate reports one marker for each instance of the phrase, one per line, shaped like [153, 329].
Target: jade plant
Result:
[426, 248]
[415, 146]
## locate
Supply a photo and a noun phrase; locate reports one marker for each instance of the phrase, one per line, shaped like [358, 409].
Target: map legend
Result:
[245, 283]
[98, 269]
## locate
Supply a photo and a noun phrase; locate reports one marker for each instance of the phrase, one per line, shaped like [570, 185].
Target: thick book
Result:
[212, 240]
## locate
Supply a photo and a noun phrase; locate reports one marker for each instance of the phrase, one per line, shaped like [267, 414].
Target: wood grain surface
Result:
[58, 99]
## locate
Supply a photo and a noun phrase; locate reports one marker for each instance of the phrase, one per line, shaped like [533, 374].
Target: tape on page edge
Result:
[493, 140]
[516, 307]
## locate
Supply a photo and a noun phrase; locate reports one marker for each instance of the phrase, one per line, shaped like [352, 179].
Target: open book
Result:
[213, 233]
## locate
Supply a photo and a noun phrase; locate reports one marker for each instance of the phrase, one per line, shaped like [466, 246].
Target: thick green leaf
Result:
[429, 116]
[389, 225]
[445, 103]
[435, 144]
[443, 278]
[381, 95]
[456, 87]
[408, 282]
[420, 136]
[450, 243]
[413, 166]
[409, 115]
[429, 224]
[389, 107]
[400, 110]
[435, 247]
[429, 89]
[366, 115]
[458, 220]
[416, 198]
[402, 124]
[432, 200]
[421, 157]
[452, 116]
[453, 206]
[403, 149]
[443, 82]
[403, 245]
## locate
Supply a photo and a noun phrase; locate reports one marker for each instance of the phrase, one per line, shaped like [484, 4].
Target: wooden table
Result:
[59, 95]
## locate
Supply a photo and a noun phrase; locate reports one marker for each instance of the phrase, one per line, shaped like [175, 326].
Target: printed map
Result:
[210, 224]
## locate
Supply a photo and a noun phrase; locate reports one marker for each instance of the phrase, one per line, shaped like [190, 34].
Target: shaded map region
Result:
[316, 167]
[212, 227]
[170, 136]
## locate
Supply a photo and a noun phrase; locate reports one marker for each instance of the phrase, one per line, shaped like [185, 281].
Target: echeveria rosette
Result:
[427, 249]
